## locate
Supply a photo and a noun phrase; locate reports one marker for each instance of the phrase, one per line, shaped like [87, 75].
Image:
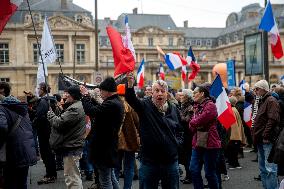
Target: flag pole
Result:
[265, 52]
[38, 46]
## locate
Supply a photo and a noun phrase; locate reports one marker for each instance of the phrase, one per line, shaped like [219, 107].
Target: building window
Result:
[193, 42]
[36, 53]
[81, 77]
[36, 18]
[236, 37]
[80, 53]
[60, 52]
[198, 43]
[79, 18]
[4, 53]
[5, 79]
[209, 42]
[103, 41]
[220, 42]
[150, 42]
[187, 42]
[110, 59]
[203, 43]
[171, 41]
[227, 39]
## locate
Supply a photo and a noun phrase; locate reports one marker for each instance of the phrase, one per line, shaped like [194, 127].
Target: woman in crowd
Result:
[236, 137]
[206, 142]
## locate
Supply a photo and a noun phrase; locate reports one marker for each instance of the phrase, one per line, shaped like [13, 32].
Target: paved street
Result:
[239, 179]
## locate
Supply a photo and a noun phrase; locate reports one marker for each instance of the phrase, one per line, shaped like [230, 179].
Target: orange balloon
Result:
[221, 69]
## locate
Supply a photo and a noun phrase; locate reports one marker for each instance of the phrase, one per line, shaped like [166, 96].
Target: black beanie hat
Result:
[108, 84]
[74, 91]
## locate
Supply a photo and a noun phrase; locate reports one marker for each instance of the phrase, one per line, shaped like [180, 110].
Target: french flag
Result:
[269, 24]
[225, 113]
[124, 61]
[162, 72]
[127, 38]
[183, 73]
[242, 86]
[174, 60]
[140, 75]
[192, 64]
[7, 9]
[247, 116]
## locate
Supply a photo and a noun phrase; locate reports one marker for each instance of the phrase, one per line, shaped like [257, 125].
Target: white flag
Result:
[48, 52]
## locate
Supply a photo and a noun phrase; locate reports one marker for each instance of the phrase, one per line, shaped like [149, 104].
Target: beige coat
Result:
[236, 131]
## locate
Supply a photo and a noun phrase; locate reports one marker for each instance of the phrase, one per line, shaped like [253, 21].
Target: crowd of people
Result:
[101, 134]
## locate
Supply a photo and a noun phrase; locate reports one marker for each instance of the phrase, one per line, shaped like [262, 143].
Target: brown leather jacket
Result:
[267, 119]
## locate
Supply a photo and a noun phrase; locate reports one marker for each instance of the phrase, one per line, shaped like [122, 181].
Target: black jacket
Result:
[20, 145]
[159, 144]
[107, 122]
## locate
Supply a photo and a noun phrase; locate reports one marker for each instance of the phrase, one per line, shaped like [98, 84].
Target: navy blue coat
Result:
[20, 145]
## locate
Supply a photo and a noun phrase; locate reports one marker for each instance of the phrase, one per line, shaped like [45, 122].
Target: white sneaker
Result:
[225, 178]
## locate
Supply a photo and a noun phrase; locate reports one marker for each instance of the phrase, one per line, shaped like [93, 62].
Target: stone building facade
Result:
[74, 36]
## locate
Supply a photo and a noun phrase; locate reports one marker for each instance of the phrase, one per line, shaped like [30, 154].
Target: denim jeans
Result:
[268, 171]
[87, 165]
[107, 178]
[209, 158]
[151, 174]
[128, 168]
[72, 173]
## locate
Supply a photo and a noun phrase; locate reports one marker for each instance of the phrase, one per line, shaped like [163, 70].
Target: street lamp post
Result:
[96, 36]
[74, 55]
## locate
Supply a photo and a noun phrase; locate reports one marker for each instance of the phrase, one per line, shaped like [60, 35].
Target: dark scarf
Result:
[186, 110]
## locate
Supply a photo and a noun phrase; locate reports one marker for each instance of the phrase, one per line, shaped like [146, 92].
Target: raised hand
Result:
[84, 90]
[130, 79]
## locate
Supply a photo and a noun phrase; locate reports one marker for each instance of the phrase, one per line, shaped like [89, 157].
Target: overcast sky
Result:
[199, 13]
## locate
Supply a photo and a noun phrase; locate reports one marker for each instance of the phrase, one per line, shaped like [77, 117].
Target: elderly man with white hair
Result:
[265, 132]
[159, 129]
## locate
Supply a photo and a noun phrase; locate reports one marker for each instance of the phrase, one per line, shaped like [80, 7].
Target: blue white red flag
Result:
[127, 38]
[174, 60]
[225, 113]
[124, 61]
[192, 64]
[247, 115]
[269, 24]
[140, 75]
[183, 73]
[162, 72]
[242, 86]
